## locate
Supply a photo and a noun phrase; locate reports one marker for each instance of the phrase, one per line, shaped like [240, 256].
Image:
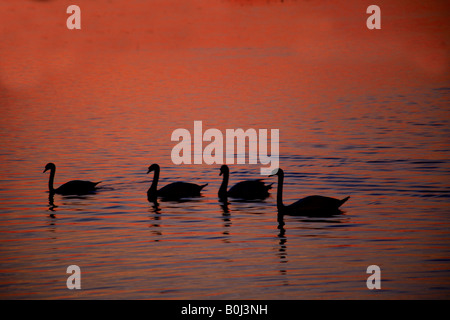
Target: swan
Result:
[308, 206]
[175, 190]
[247, 190]
[77, 187]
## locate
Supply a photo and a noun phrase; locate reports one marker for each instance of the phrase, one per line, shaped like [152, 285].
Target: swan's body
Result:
[176, 190]
[308, 206]
[246, 190]
[77, 187]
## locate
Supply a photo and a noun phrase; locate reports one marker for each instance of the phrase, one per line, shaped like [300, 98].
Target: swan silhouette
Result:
[246, 190]
[175, 190]
[78, 187]
[308, 206]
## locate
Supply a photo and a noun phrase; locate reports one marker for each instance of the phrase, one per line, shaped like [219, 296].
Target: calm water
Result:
[376, 129]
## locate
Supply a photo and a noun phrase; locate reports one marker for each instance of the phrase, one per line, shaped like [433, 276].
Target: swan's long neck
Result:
[51, 179]
[154, 186]
[223, 187]
[280, 204]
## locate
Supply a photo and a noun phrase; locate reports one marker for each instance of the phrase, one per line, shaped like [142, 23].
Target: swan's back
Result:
[315, 206]
[250, 189]
[77, 187]
[179, 190]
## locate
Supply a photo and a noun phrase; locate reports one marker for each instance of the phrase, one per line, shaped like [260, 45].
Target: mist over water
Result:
[102, 106]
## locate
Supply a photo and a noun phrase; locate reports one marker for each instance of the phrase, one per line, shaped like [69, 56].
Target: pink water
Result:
[360, 113]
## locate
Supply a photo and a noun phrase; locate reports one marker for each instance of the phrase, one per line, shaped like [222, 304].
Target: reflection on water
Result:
[372, 124]
[51, 202]
[397, 218]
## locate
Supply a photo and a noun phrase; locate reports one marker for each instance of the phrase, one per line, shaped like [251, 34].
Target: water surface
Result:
[359, 113]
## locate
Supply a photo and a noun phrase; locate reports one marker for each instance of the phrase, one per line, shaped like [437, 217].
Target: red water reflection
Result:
[331, 39]
[102, 102]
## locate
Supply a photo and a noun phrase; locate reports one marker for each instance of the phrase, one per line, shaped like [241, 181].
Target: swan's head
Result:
[49, 166]
[277, 172]
[224, 169]
[153, 167]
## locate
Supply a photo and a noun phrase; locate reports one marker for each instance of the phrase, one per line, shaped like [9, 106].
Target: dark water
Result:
[108, 115]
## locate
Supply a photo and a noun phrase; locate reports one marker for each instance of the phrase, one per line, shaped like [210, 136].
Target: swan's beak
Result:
[44, 170]
[274, 173]
[220, 173]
